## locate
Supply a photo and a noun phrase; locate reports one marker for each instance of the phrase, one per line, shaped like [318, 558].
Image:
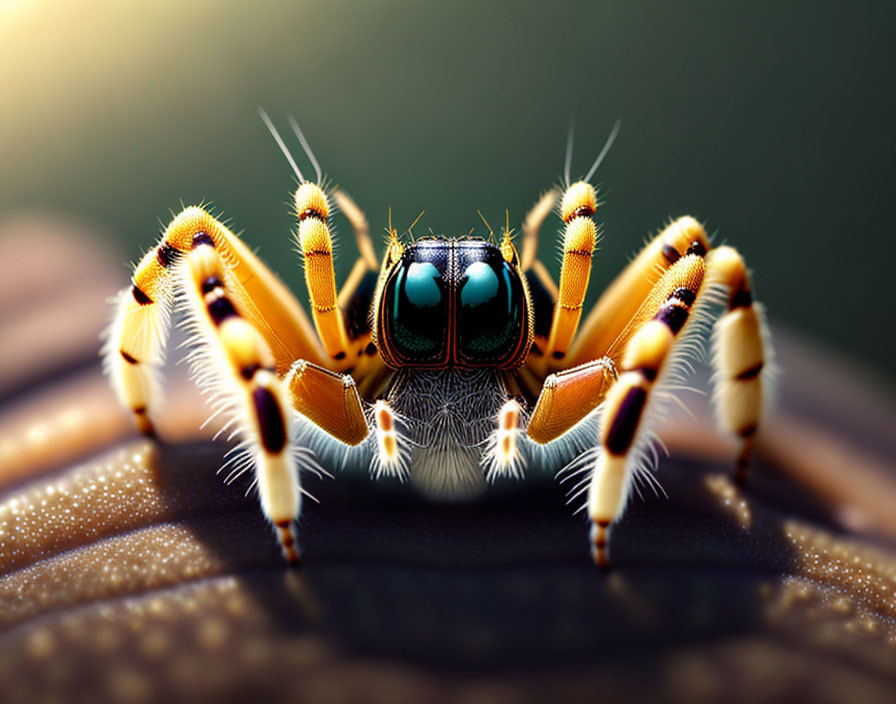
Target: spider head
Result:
[451, 302]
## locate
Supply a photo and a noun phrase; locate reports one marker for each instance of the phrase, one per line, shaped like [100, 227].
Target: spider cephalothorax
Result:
[453, 361]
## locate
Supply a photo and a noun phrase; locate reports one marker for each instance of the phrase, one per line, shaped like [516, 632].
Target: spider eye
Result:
[418, 311]
[462, 289]
[421, 285]
[490, 320]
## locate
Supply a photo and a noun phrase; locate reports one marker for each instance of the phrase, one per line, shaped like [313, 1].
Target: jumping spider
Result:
[451, 362]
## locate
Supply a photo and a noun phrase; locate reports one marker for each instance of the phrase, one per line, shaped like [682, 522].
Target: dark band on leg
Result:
[210, 284]
[166, 254]
[270, 420]
[128, 358]
[671, 254]
[696, 247]
[750, 373]
[201, 238]
[625, 422]
[139, 296]
[220, 309]
[674, 316]
[685, 295]
[742, 298]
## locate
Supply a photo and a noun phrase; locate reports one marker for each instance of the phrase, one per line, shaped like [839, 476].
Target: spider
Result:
[452, 362]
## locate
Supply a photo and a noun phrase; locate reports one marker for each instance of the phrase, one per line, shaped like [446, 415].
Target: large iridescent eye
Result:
[491, 311]
[418, 304]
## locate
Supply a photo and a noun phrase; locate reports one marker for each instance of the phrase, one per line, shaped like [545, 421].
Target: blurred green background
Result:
[771, 122]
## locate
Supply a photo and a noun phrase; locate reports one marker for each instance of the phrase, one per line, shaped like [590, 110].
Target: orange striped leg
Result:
[235, 363]
[577, 208]
[614, 317]
[570, 395]
[502, 457]
[137, 335]
[317, 248]
[623, 432]
[136, 338]
[392, 456]
[742, 354]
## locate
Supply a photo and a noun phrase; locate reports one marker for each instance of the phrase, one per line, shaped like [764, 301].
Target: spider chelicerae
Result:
[453, 360]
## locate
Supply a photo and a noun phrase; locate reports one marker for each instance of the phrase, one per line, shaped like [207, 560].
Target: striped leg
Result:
[742, 350]
[623, 432]
[317, 248]
[137, 335]
[577, 208]
[234, 361]
[742, 354]
[614, 317]
[634, 297]
[135, 340]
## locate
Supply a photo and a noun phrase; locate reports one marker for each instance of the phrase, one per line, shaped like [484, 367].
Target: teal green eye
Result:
[480, 285]
[453, 303]
[421, 285]
[419, 307]
[491, 313]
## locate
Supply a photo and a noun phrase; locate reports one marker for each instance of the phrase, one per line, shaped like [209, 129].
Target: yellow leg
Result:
[543, 291]
[360, 226]
[135, 341]
[237, 365]
[626, 404]
[329, 400]
[531, 226]
[570, 395]
[741, 353]
[357, 293]
[317, 248]
[577, 208]
[137, 335]
[613, 318]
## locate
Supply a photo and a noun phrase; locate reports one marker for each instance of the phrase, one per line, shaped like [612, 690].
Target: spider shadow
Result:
[505, 581]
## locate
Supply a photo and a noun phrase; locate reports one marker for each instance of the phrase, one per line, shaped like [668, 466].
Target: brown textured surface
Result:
[131, 573]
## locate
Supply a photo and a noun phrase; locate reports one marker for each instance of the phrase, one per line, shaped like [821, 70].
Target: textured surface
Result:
[130, 572]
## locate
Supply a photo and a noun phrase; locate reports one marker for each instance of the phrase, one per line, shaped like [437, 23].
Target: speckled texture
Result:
[130, 572]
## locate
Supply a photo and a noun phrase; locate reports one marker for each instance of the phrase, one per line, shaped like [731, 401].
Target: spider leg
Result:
[355, 298]
[577, 208]
[235, 363]
[614, 317]
[328, 399]
[137, 336]
[655, 351]
[741, 342]
[316, 244]
[542, 289]
[568, 396]
[742, 355]
[531, 226]
[623, 431]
